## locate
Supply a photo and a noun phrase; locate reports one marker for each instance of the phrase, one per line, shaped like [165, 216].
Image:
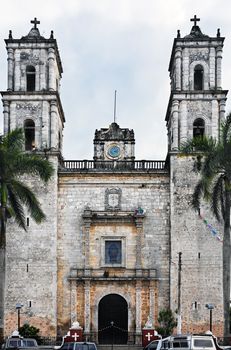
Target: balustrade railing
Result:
[112, 273]
[120, 165]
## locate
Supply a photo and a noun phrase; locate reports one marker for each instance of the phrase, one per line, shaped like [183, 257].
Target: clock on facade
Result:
[114, 151]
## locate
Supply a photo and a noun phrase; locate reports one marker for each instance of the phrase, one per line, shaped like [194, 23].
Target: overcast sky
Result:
[108, 45]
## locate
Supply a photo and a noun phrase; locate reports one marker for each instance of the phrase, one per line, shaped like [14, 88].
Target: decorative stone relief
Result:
[199, 109]
[24, 109]
[113, 199]
[30, 58]
[199, 56]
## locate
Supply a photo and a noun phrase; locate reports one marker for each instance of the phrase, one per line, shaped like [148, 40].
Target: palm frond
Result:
[34, 165]
[198, 144]
[14, 141]
[27, 197]
[217, 199]
[197, 194]
[17, 209]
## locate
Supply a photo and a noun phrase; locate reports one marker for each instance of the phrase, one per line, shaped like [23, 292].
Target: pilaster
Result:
[10, 60]
[152, 302]
[73, 302]
[53, 124]
[138, 312]
[175, 121]
[6, 113]
[178, 58]
[139, 240]
[218, 65]
[183, 121]
[51, 68]
[87, 308]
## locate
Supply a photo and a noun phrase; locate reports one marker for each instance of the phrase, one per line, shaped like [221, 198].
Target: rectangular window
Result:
[113, 252]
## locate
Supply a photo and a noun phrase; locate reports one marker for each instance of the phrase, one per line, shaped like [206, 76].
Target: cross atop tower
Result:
[35, 22]
[195, 20]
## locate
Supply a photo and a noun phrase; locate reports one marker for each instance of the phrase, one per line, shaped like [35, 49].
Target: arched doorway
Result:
[113, 308]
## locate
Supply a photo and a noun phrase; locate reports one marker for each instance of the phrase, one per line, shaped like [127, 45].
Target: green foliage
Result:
[15, 195]
[27, 331]
[166, 321]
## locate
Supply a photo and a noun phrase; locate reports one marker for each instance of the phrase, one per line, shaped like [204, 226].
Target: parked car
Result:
[186, 342]
[158, 344]
[18, 343]
[192, 342]
[78, 346]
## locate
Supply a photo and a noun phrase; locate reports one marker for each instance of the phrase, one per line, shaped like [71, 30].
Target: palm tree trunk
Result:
[226, 266]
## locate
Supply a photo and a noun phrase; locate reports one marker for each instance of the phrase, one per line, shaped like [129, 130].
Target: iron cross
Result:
[195, 20]
[35, 22]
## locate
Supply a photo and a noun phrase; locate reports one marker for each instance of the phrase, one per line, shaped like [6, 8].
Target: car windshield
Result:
[13, 343]
[78, 346]
[203, 343]
[153, 345]
[29, 343]
[180, 343]
[67, 346]
[85, 347]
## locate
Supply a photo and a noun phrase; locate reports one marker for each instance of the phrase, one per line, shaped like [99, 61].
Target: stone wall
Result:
[31, 260]
[201, 253]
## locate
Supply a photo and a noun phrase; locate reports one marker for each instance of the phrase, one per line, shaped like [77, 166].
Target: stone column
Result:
[10, 60]
[175, 116]
[87, 308]
[37, 77]
[183, 121]
[74, 317]
[218, 67]
[215, 118]
[178, 59]
[87, 218]
[152, 302]
[222, 105]
[6, 113]
[42, 72]
[185, 69]
[17, 73]
[51, 70]
[139, 239]
[53, 124]
[138, 312]
[212, 68]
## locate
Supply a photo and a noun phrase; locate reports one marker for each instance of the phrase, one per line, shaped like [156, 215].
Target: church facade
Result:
[121, 241]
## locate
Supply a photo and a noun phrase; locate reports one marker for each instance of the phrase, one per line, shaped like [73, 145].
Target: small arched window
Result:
[198, 77]
[198, 127]
[30, 78]
[29, 130]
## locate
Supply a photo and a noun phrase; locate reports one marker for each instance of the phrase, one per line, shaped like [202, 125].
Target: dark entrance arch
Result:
[113, 308]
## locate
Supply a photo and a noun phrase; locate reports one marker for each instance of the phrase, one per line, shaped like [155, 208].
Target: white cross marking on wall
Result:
[149, 335]
[76, 336]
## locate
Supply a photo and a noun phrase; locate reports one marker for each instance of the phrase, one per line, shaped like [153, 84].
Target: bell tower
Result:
[32, 101]
[196, 107]
[197, 101]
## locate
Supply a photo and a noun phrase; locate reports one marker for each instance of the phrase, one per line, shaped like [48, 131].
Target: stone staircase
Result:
[119, 347]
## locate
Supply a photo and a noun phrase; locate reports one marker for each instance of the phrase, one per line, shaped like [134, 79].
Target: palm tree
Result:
[15, 195]
[214, 165]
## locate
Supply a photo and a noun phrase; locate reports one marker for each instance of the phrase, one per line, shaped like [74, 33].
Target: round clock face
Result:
[114, 151]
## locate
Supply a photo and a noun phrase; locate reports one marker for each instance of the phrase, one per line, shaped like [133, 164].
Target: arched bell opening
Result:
[29, 131]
